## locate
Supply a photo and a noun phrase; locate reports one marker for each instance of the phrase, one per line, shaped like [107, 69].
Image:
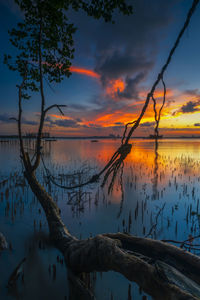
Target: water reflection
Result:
[153, 176]
[155, 179]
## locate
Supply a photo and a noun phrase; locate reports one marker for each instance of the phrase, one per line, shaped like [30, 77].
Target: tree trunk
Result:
[160, 269]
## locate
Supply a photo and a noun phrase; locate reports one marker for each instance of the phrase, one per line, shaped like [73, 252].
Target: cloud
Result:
[129, 69]
[119, 64]
[84, 71]
[8, 119]
[67, 123]
[77, 107]
[131, 90]
[190, 106]
[197, 124]
[79, 120]
[147, 124]
[64, 122]
[24, 121]
[193, 92]
[169, 103]
[126, 50]
[118, 123]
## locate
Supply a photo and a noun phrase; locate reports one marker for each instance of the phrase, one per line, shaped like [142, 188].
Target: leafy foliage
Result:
[44, 40]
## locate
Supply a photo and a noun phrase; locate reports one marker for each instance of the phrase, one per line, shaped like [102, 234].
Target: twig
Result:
[156, 222]
[160, 75]
[58, 106]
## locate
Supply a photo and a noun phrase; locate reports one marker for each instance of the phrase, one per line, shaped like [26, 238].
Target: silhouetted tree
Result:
[44, 43]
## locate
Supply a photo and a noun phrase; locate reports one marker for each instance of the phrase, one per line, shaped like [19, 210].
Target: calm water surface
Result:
[159, 197]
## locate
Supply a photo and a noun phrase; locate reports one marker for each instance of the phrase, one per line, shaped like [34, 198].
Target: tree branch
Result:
[19, 120]
[42, 117]
[58, 106]
[160, 75]
[14, 119]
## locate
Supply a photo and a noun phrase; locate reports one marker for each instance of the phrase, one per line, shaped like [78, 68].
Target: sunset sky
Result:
[115, 66]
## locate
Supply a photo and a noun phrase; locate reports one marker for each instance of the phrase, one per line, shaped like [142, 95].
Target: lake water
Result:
[159, 197]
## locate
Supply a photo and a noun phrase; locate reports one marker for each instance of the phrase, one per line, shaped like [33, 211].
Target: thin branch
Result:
[126, 127]
[155, 115]
[13, 118]
[19, 121]
[153, 227]
[160, 75]
[182, 243]
[158, 115]
[164, 99]
[42, 117]
[58, 106]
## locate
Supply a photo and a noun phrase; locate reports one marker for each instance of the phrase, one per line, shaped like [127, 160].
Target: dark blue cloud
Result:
[4, 118]
[147, 124]
[190, 106]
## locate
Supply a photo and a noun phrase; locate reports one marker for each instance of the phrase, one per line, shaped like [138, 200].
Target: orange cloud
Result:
[114, 87]
[84, 71]
[171, 113]
[59, 116]
[78, 70]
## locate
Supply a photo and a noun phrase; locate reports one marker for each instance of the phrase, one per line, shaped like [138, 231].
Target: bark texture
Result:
[162, 270]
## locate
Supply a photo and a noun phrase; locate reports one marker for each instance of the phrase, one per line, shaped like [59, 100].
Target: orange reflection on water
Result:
[141, 156]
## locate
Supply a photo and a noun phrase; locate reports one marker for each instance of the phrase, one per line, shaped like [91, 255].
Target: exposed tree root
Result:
[162, 270]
